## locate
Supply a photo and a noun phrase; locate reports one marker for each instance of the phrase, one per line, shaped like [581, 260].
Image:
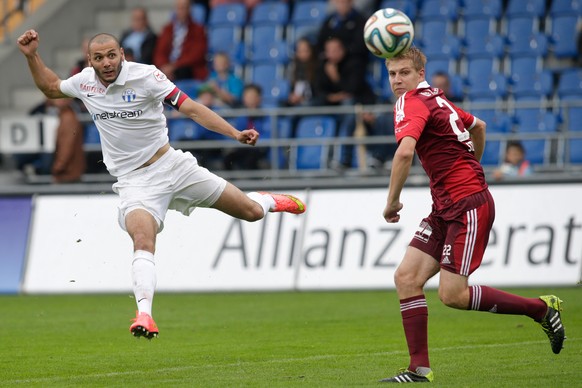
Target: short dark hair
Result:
[103, 37]
[257, 88]
[515, 144]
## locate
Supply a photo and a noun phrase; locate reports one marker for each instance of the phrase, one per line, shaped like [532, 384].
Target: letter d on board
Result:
[18, 133]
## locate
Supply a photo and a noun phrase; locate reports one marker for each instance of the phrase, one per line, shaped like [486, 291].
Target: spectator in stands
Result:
[515, 164]
[579, 44]
[302, 73]
[341, 80]
[206, 96]
[182, 47]
[226, 86]
[347, 24]
[442, 81]
[69, 156]
[248, 158]
[140, 37]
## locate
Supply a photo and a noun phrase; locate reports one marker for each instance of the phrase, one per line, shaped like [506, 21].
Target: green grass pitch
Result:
[287, 339]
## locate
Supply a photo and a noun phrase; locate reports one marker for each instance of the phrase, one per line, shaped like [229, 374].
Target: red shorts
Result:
[457, 236]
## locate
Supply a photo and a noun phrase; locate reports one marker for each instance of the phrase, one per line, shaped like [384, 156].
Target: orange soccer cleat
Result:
[143, 326]
[287, 203]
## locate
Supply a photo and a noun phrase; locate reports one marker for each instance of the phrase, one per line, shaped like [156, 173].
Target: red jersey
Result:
[443, 146]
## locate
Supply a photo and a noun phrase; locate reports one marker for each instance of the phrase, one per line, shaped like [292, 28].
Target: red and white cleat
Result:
[143, 326]
[287, 203]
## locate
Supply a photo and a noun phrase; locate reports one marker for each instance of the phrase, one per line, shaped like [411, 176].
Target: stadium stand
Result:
[502, 56]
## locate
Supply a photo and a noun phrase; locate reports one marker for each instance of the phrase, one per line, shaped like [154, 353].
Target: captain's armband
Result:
[175, 98]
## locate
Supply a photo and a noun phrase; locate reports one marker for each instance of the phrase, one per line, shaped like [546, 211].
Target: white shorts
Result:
[175, 181]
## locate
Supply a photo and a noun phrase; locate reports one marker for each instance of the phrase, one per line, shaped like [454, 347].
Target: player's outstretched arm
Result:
[210, 120]
[400, 169]
[44, 78]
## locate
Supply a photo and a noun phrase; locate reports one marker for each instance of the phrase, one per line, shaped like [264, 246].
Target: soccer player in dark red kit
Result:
[452, 239]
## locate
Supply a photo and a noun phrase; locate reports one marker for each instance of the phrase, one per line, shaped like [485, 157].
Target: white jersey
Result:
[128, 113]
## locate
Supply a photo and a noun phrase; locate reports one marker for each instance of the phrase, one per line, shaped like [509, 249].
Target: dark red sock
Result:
[415, 321]
[483, 298]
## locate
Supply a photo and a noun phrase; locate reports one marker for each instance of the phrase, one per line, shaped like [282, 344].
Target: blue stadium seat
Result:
[406, 6]
[484, 46]
[566, 7]
[184, 129]
[442, 47]
[491, 153]
[275, 90]
[477, 9]
[433, 28]
[521, 26]
[483, 79]
[310, 157]
[306, 20]
[91, 134]
[309, 12]
[529, 8]
[575, 151]
[298, 31]
[439, 10]
[563, 36]
[273, 52]
[440, 65]
[572, 114]
[535, 44]
[227, 39]
[497, 121]
[270, 13]
[535, 121]
[529, 79]
[283, 130]
[265, 43]
[228, 15]
[570, 83]
[478, 27]
[198, 13]
[263, 72]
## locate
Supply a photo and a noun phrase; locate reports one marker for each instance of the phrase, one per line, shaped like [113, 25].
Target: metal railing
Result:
[556, 165]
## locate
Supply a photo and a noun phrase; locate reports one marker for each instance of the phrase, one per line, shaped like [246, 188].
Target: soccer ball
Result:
[388, 32]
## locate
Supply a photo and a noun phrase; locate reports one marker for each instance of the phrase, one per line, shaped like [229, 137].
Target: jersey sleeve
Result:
[68, 86]
[158, 84]
[410, 117]
[467, 118]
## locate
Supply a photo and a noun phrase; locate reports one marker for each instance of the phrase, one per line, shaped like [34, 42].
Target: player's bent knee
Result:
[453, 299]
[255, 213]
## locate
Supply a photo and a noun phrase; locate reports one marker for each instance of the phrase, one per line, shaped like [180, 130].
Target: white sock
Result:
[143, 271]
[265, 200]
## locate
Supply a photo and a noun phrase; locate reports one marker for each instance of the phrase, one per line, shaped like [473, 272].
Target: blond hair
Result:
[416, 56]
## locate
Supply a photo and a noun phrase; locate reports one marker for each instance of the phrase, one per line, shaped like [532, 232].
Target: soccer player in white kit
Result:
[125, 100]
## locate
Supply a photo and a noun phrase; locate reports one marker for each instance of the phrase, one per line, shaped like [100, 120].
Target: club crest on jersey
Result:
[128, 95]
